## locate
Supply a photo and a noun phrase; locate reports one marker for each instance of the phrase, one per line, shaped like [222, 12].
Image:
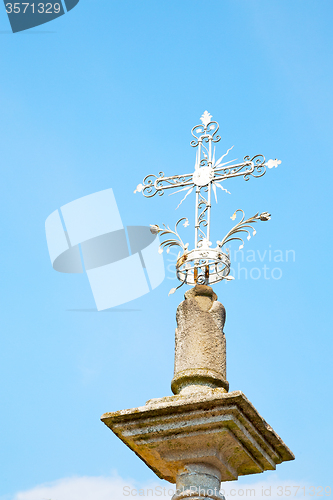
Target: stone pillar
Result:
[198, 481]
[200, 352]
[203, 435]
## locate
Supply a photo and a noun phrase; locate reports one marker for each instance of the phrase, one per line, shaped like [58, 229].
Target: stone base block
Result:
[212, 428]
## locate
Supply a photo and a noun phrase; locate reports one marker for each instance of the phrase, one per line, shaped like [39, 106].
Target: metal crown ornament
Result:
[205, 265]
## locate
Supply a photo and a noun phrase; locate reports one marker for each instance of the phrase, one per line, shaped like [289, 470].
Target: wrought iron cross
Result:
[205, 265]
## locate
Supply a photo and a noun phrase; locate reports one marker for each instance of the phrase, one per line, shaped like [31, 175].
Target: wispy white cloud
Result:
[94, 488]
[117, 488]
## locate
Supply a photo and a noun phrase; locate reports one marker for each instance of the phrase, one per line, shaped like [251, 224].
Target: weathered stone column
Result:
[200, 352]
[200, 364]
[197, 482]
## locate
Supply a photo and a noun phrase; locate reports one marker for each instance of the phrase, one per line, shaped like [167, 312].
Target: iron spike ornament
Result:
[205, 265]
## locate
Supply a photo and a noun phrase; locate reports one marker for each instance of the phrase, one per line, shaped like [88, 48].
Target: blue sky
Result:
[99, 98]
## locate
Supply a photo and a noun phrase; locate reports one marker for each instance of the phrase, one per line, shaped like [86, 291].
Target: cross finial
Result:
[204, 264]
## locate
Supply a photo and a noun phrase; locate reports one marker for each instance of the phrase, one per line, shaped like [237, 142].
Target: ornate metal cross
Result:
[204, 265]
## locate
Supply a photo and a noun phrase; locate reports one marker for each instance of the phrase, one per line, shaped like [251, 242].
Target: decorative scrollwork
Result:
[254, 167]
[153, 184]
[205, 133]
[148, 188]
[155, 229]
[202, 220]
[202, 280]
[259, 168]
[243, 226]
